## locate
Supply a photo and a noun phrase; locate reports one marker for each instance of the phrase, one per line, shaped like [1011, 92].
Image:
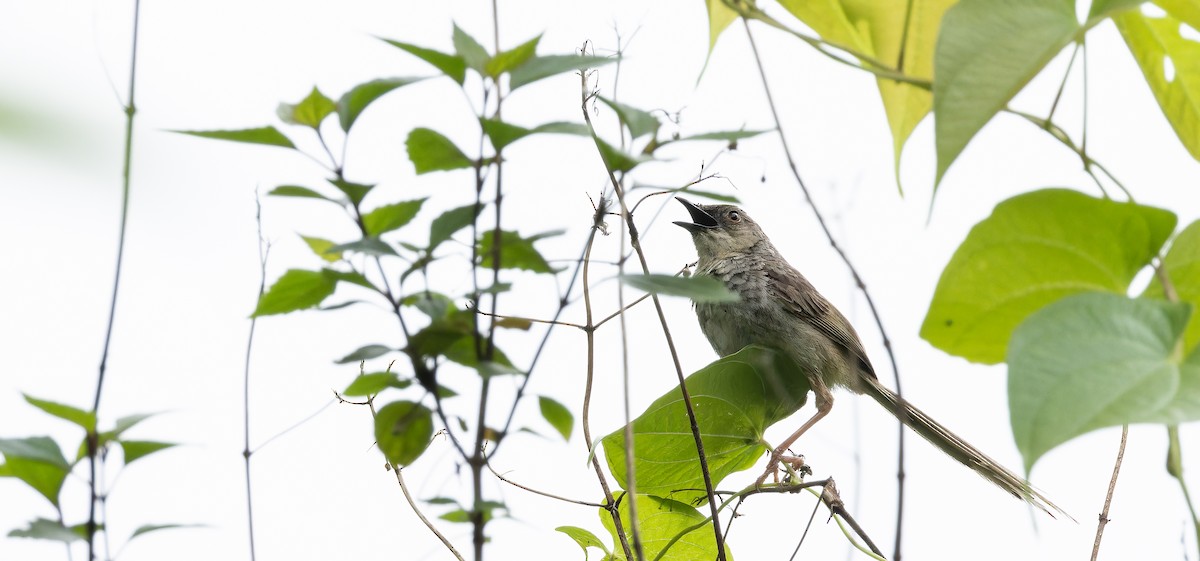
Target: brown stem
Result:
[1112, 485]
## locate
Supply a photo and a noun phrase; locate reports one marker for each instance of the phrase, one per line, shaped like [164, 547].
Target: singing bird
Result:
[779, 308]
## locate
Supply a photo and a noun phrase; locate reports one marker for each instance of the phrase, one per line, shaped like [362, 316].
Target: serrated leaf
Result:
[391, 217]
[356, 192]
[296, 290]
[470, 50]
[298, 191]
[583, 538]
[321, 246]
[367, 246]
[375, 382]
[365, 352]
[557, 415]
[541, 67]
[660, 521]
[1034, 249]
[507, 60]
[43, 529]
[639, 123]
[449, 222]
[75, 415]
[701, 288]
[355, 101]
[986, 52]
[1158, 41]
[515, 252]
[450, 65]
[403, 430]
[309, 112]
[137, 449]
[269, 136]
[430, 151]
[1182, 266]
[735, 399]
[1098, 360]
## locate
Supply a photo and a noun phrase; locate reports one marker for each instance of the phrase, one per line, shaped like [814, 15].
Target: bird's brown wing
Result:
[803, 300]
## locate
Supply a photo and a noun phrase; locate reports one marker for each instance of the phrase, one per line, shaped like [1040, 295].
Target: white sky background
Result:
[321, 491]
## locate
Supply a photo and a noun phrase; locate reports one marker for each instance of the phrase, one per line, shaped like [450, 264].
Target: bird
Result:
[778, 308]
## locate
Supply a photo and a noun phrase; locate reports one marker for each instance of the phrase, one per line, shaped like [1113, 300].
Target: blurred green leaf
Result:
[470, 50]
[37, 448]
[1098, 360]
[615, 160]
[507, 60]
[557, 415]
[43, 529]
[137, 449]
[735, 399]
[367, 246]
[1182, 266]
[1034, 249]
[728, 136]
[37, 461]
[698, 288]
[660, 520]
[403, 430]
[295, 290]
[432, 304]
[541, 67]
[355, 101]
[375, 382]
[321, 246]
[501, 134]
[364, 353]
[84, 419]
[451, 65]
[515, 252]
[298, 191]
[309, 112]
[639, 123]
[351, 277]
[269, 136]
[449, 222]
[391, 217]
[441, 333]
[583, 538]
[430, 151]
[356, 192]
[147, 528]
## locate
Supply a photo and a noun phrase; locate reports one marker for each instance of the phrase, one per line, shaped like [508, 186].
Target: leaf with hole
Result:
[269, 136]
[403, 430]
[735, 399]
[391, 217]
[355, 101]
[309, 112]
[1034, 249]
[429, 150]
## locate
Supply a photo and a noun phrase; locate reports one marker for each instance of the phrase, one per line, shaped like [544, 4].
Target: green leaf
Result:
[37, 461]
[366, 246]
[440, 334]
[583, 538]
[85, 419]
[1097, 360]
[728, 136]
[698, 288]
[660, 520]
[451, 65]
[507, 60]
[43, 529]
[147, 528]
[735, 399]
[370, 384]
[449, 222]
[470, 50]
[365, 353]
[356, 192]
[711, 195]
[351, 277]
[987, 51]
[1158, 41]
[309, 112]
[430, 151]
[298, 191]
[391, 217]
[1034, 249]
[1182, 266]
[269, 136]
[403, 430]
[515, 252]
[639, 123]
[502, 134]
[719, 18]
[321, 247]
[541, 67]
[1107, 8]
[137, 449]
[557, 415]
[615, 160]
[433, 304]
[125, 423]
[36, 448]
[295, 290]
[353, 102]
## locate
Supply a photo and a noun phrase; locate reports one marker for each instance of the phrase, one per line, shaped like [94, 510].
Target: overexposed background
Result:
[191, 274]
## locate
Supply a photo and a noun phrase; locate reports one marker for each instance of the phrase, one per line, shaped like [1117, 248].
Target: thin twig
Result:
[93, 439]
[630, 464]
[294, 426]
[531, 320]
[1112, 485]
[537, 492]
[264, 250]
[858, 281]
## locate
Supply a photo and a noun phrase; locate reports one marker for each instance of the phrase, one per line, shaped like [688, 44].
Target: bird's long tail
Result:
[959, 449]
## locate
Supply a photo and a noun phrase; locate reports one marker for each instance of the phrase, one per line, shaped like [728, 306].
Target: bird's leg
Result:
[824, 400]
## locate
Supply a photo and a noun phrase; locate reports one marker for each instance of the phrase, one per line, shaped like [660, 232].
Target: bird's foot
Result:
[794, 466]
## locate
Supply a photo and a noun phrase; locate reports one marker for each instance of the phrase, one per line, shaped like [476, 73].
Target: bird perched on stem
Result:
[779, 308]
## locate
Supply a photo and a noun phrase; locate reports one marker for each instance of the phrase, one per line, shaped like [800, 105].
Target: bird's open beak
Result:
[701, 220]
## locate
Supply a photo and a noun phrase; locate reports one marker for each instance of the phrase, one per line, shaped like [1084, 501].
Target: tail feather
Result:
[960, 450]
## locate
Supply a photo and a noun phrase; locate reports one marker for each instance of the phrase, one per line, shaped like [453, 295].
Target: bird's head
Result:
[720, 229]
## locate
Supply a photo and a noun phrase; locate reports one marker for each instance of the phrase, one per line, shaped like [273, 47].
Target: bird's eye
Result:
[734, 216]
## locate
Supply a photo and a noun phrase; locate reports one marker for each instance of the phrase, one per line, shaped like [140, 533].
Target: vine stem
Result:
[264, 250]
[858, 281]
[92, 436]
[1112, 486]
